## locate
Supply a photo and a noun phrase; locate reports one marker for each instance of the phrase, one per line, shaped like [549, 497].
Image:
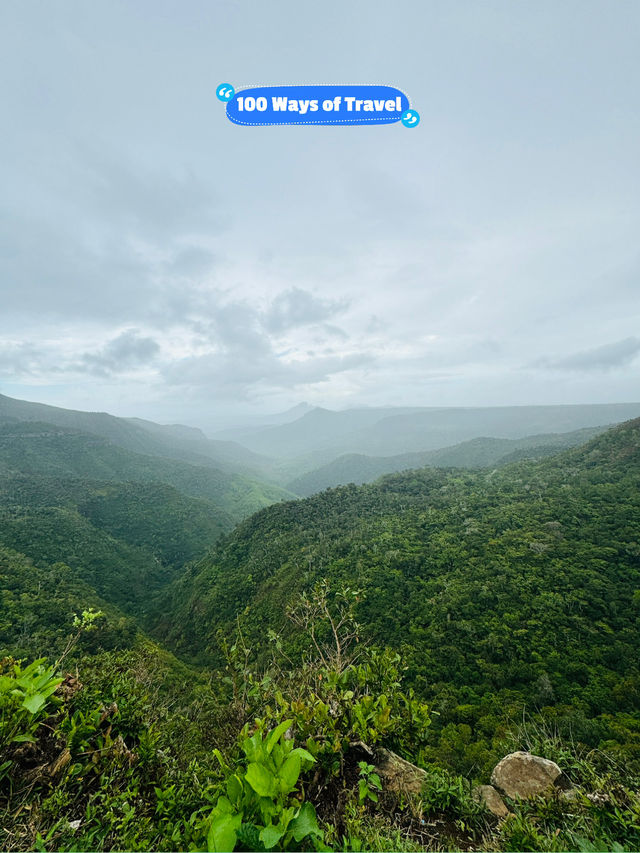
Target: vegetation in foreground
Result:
[131, 750]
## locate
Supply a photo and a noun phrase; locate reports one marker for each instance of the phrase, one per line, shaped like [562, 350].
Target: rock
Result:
[488, 795]
[399, 775]
[523, 775]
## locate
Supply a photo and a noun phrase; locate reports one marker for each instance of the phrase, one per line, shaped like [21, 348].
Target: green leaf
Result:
[222, 807]
[253, 747]
[270, 836]
[23, 739]
[34, 702]
[221, 760]
[234, 788]
[223, 833]
[276, 734]
[306, 823]
[289, 773]
[261, 779]
[302, 753]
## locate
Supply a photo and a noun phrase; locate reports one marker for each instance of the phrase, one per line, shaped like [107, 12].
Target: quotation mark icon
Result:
[410, 118]
[225, 92]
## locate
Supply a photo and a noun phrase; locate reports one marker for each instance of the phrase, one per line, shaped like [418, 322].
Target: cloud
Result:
[192, 261]
[244, 378]
[20, 359]
[127, 351]
[607, 357]
[153, 204]
[296, 307]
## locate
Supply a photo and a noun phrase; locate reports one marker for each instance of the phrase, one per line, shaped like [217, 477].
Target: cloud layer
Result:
[157, 260]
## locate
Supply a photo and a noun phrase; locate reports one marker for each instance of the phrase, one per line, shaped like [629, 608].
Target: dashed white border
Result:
[371, 120]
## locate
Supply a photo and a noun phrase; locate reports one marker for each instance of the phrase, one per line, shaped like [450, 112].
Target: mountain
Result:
[124, 522]
[32, 447]
[140, 436]
[477, 453]
[510, 588]
[392, 431]
[259, 422]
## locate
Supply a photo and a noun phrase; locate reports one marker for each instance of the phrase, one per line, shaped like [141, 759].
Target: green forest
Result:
[194, 658]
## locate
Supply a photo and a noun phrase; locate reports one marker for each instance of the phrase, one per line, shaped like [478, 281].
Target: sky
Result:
[157, 260]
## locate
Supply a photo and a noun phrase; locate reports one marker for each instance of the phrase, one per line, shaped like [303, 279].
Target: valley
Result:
[485, 593]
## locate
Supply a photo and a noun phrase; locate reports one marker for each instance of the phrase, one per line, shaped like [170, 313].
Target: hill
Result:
[124, 540]
[137, 435]
[501, 590]
[392, 431]
[32, 447]
[476, 453]
[124, 522]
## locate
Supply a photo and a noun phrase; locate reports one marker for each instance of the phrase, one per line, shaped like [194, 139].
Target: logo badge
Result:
[225, 92]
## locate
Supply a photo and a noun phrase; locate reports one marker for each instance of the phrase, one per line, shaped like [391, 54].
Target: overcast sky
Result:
[157, 260]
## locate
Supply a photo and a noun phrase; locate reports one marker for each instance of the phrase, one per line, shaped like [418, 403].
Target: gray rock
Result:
[399, 775]
[523, 775]
[488, 795]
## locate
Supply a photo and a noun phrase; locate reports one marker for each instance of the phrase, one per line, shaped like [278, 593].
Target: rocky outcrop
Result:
[488, 795]
[522, 775]
[399, 775]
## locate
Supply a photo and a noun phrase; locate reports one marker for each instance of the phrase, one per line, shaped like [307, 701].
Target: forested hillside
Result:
[476, 453]
[502, 590]
[124, 522]
[137, 435]
[35, 448]
[450, 616]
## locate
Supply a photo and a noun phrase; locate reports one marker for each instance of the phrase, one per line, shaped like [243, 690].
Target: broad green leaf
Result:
[261, 779]
[222, 807]
[268, 808]
[34, 702]
[285, 818]
[289, 773]
[277, 733]
[223, 833]
[253, 748]
[52, 687]
[303, 754]
[270, 836]
[24, 739]
[234, 788]
[306, 823]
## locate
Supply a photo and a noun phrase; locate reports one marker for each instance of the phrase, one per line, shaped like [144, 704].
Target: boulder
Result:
[488, 795]
[398, 775]
[522, 775]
